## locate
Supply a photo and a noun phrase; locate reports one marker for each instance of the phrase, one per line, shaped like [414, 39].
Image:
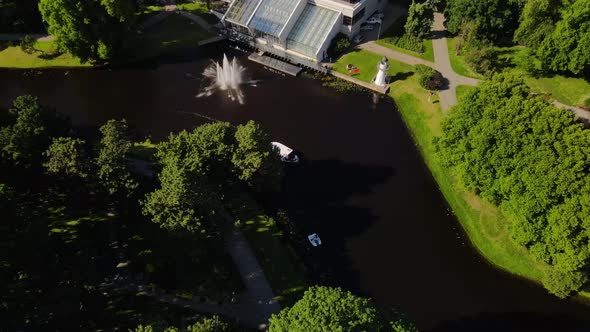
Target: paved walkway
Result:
[442, 62]
[579, 112]
[21, 36]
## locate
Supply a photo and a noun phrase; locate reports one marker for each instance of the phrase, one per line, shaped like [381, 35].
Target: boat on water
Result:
[286, 153]
[314, 239]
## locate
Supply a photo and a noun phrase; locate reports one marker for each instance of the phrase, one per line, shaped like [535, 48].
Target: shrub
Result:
[429, 78]
[407, 42]
[587, 102]
[562, 284]
[27, 45]
[481, 60]
[339, 45]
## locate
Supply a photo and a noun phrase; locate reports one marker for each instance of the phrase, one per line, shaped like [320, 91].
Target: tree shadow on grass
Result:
[400, 76]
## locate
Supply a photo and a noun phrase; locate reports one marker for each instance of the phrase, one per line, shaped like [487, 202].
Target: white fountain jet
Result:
[227, 76]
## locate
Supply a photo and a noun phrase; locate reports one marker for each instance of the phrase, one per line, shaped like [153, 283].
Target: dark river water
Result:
[387, 232]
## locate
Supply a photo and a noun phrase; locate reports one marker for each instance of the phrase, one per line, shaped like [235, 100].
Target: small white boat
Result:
[314, 239]
[286, 153]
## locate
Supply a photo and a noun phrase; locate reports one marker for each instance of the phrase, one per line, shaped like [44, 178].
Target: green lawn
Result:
[458, 62]
[568, 90]
[199, 8]
[485, 225]
[367, 63]
[14, 57]
[171, 34]
[397, 30]
[427, 55]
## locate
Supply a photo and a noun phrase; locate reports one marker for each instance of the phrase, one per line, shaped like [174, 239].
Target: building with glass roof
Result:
[297, 28]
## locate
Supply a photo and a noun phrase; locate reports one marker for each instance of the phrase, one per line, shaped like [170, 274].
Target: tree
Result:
[420, 19]
[537, 21]
[67, 156]
[494, 19]
[91, 30]
[531, 160]
[28, 132]
[113, 170]
[566, 49]
[201, 167]
[562, 284]
[213, 324]
[27, 45]
[255, 160]
[335, 310]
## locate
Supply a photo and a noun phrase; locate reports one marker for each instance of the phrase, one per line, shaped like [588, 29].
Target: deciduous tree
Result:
[420, 19]
[113, 168]
[335, 310]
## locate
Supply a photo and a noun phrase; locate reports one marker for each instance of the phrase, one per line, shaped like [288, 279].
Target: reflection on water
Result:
[363, 187]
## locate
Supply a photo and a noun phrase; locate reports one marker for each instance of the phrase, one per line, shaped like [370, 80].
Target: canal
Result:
[387, 232]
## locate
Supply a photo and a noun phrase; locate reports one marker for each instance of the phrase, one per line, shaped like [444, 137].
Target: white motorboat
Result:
[314, 239]
[286, 153]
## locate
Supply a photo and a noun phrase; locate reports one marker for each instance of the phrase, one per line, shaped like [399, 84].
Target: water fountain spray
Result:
[227, 76]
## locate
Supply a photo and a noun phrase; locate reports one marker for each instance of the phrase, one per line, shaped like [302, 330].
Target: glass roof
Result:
[241, 10]
[272, 15]
[311, 29]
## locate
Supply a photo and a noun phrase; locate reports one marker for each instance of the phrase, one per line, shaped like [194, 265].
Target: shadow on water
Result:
[512, 322]
[318, 195]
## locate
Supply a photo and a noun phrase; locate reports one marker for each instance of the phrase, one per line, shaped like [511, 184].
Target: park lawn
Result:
[367, 63]
[14, 57]
[458, 61]
[463, 90]
[483, 222]
[427, 55]
[278, 259]
[172, 34]
[568, 90]
[200, 9]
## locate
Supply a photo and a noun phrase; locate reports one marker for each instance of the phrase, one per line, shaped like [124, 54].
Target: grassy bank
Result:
[278, 259]
[44, 57]
[568, 90]
[485, 225]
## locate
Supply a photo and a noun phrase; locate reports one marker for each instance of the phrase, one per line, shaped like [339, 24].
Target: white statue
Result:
[383, 67]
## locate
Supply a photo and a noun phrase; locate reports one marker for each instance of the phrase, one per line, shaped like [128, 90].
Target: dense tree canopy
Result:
[202, 166]
[92, 30]
[213, 324]
[67, 156]
[529, 158]
[113, 169]
[537, 21]
[331, 309]
[494, 19]
[566, 49]
[420, 18]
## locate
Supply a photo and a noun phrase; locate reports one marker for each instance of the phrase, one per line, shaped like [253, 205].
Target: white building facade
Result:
[297, 29]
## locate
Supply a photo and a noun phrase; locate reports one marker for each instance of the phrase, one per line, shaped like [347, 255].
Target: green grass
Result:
[568, 90]
[367, 63]
[463, 90]
[14, 57]
[458, 61]
[428, 50]
[485, 225]
[278, 259]
[200, 9]
[172, 34]
[397, 30]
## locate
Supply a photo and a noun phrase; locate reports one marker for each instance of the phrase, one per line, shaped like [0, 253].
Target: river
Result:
[386, 229]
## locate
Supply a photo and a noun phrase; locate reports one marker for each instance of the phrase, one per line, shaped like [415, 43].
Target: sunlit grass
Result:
[46, 56]
[458, 61]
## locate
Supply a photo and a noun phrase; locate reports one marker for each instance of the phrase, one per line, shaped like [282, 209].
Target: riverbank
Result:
[167, 36]
[483, 223]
